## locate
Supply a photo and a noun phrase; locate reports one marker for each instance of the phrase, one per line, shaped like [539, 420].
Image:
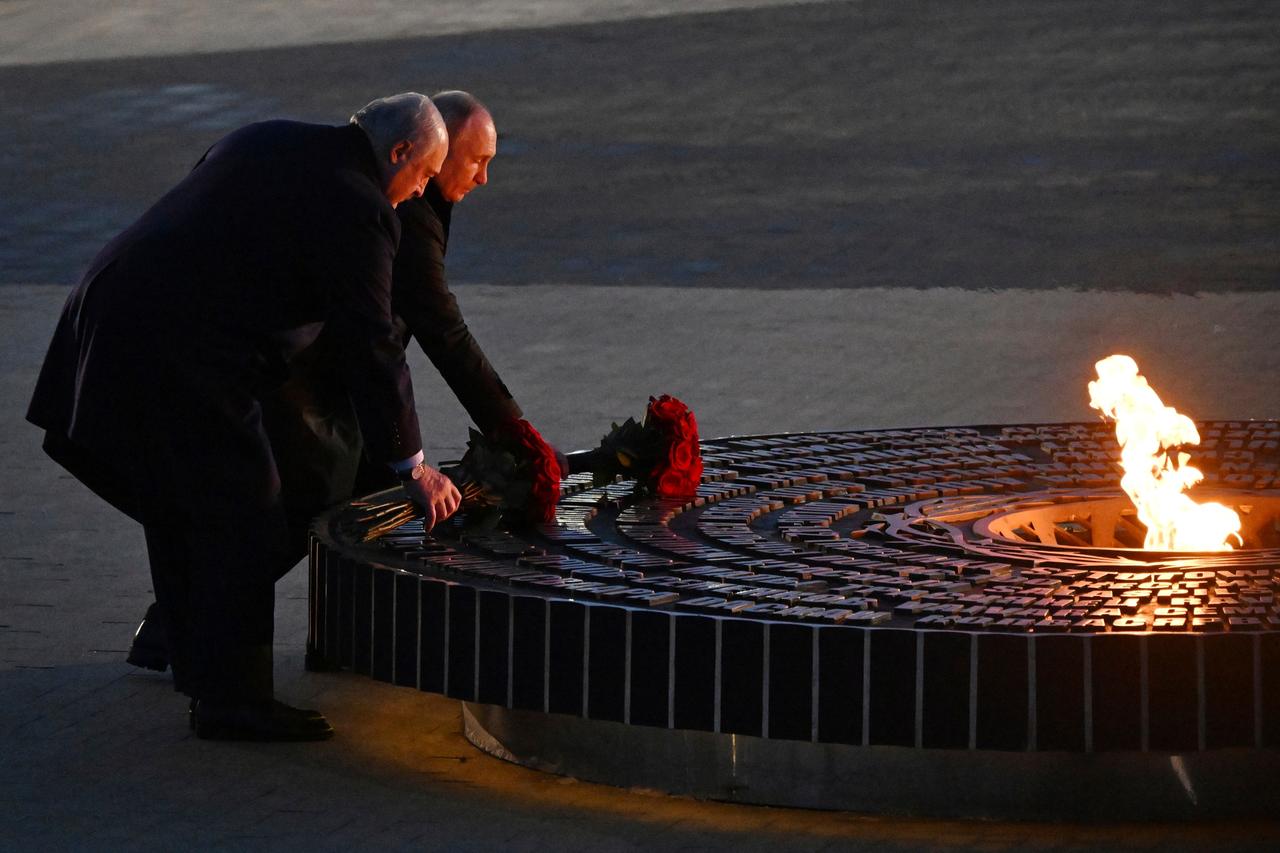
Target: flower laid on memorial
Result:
[661, 453]
[514, 473]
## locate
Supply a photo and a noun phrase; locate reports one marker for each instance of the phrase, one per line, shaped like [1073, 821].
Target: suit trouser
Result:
[204, 487]
[316, 438]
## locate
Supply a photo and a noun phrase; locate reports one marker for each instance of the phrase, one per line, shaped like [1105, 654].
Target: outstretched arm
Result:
[422, 299]
[375, 373]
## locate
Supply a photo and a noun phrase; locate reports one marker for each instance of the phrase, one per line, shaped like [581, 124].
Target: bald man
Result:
[423, 305]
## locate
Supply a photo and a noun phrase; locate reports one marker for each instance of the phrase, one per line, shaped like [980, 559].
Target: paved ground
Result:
[841, 144]
[792, 216]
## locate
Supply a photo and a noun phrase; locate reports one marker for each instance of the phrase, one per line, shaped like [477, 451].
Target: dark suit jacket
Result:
[425, 308]
[310, 421]
[280, 230]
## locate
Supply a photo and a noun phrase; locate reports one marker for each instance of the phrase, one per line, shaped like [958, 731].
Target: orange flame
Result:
[1146, 428]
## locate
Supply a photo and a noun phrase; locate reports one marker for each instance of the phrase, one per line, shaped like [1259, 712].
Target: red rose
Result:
[671, 484]
[540, 464]
[521, 433]
[678, 469]
[693, 476]
[661, 452]
[665, 413]
[544, 493]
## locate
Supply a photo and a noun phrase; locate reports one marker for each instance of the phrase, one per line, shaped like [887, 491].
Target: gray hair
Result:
[396, 118]
[456, 107]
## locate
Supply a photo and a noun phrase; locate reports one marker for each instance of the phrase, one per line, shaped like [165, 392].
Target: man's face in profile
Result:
[470, 149]
[412, 164]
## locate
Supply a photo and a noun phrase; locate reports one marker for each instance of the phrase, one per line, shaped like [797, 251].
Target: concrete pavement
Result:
[833, 144]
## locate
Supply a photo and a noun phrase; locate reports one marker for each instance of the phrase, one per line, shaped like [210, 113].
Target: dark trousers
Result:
[218, 536]
[316, 438]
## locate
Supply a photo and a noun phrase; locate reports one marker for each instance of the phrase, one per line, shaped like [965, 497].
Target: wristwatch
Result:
[417, 472]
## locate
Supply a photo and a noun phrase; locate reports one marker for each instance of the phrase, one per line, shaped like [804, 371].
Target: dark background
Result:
[1094, 145]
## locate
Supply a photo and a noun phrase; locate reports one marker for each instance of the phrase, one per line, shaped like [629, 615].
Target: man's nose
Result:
[482, 176]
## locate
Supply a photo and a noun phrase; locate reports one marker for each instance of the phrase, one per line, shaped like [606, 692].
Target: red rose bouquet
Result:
[514, 472]
[661, 453]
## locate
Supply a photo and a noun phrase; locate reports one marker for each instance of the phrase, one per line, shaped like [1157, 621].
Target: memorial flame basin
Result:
[943, 621]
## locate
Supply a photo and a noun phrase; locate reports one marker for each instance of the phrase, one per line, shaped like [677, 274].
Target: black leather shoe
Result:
[150, 648]
[269, 721]
[316, 662]
[306, 713]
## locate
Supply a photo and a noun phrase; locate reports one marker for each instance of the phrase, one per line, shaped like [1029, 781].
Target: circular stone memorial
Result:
[941, 621]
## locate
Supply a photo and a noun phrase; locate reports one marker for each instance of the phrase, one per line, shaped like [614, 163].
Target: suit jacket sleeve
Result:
[421, 298]
[373, 365]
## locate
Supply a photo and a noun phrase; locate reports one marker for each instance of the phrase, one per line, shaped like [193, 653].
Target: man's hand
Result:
[435, 494]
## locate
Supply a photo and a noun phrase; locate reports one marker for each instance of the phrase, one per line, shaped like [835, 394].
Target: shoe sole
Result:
[191, 721]
[153, 664]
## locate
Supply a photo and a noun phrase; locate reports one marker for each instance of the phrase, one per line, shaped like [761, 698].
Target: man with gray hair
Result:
[310, 420]
[150, 393]
[393, 126]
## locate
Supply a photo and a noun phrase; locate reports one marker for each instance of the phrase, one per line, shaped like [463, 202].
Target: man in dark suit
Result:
[150, 393]
[311, 421]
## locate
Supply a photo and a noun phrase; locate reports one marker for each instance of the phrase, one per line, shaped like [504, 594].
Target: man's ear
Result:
[400, 151]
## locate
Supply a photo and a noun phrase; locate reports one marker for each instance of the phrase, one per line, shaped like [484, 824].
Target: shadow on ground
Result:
[114, 745]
